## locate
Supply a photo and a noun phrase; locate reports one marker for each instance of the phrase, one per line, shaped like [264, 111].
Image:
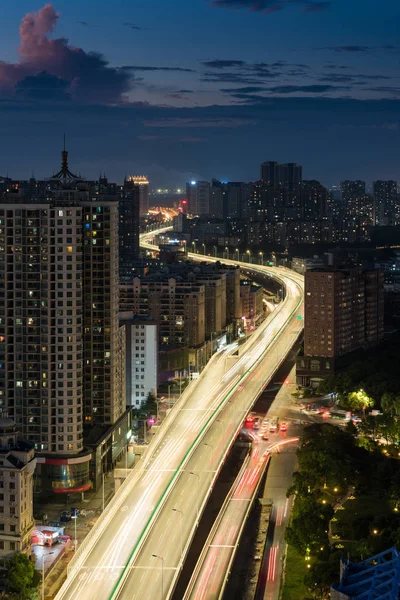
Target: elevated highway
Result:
[137, 547]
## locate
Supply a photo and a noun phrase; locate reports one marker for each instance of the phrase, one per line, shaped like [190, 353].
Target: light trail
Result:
[162, 479]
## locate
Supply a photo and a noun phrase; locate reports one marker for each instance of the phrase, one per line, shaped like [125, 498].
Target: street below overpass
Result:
[137, 548]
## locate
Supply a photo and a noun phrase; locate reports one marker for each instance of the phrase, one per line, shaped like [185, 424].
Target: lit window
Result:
[69, 248]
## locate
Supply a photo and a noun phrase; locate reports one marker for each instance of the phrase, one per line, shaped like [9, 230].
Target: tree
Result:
[149, 407]
[357, 401]
[390, 403]
[22, 577]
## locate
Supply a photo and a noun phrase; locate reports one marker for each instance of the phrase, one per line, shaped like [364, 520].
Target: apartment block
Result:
[343, 314]
[61, 348]
[178, 308]
[141, 357]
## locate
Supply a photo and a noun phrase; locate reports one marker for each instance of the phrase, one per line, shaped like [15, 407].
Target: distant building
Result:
[129, 224]
[251, 296]
[269, 173]
[343, 313]
[142, 183]
[385, 202]
[301, 265]
[198, 197]
[17, 465]
[141, 358]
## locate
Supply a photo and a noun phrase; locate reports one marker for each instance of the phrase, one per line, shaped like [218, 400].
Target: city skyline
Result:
[316, 89]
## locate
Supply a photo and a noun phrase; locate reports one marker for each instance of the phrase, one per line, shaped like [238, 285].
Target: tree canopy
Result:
[22, 577]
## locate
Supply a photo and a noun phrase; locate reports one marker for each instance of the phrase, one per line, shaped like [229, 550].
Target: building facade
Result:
[141, 358]
[343, 314]
[61, 348]
[17, 466]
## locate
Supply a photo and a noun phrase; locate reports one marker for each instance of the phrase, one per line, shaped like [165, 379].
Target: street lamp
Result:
[237, 254]
[215, 251]
[198, 490]
[176, 510]
[76, 541]
[204, 248]
[248, 253]
[227, 252]
[262, 257]
[162, 572]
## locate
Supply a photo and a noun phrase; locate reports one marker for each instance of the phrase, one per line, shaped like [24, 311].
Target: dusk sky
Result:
[201, 88]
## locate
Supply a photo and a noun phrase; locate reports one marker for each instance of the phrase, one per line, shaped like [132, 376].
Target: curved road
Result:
[156, 509]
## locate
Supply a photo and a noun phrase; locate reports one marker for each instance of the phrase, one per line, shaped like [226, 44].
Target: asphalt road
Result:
[177, 471]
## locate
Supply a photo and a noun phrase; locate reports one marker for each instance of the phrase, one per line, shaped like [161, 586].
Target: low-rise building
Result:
[252, 301]
[17, 465]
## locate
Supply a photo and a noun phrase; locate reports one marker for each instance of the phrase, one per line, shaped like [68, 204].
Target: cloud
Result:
[43, 86]
[305, 89]
[340, 78]
[133, 26]
[171, 138]
[353, 49]
[271, 6]
[151, 68]
[393, 91]
[201, 123]
[244, 90]
[88, 74]
[223, 64]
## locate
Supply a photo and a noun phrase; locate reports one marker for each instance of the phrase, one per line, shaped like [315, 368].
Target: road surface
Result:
[176, 472]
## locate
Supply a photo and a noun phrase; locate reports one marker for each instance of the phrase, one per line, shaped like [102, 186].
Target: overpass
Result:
[137, 547]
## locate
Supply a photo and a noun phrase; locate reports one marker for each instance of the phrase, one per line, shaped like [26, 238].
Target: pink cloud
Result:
[88, 75]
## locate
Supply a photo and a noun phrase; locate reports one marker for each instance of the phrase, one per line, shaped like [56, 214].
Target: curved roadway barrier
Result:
[116, 560]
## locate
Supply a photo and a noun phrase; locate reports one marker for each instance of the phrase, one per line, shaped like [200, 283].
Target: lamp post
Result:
[248, 254]
[237, 254]
[75, 541]
[215, 251]
[162, 572]
[204, 248]
[262, 257]
[176, 510]
[227, 252]
[198, 489]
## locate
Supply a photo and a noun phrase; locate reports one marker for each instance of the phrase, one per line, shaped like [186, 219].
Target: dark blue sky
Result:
[200, 88]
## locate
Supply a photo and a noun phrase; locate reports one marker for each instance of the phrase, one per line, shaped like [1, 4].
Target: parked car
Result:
[65, 517]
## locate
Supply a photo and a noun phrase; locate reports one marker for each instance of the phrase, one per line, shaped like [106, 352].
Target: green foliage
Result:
[22, 577]
[149, 407]
[356, 401]
[376, 373]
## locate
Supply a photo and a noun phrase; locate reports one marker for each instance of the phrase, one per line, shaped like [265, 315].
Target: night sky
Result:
[185, 89]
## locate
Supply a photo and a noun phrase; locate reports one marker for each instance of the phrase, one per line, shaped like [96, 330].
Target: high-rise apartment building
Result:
[198, 197]
[385, 202]
[343, 313]
[142, 183]
[290, 175]
[17, 465]
[129, 226]
[269, 173]
[61, 347]
[178, 307]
